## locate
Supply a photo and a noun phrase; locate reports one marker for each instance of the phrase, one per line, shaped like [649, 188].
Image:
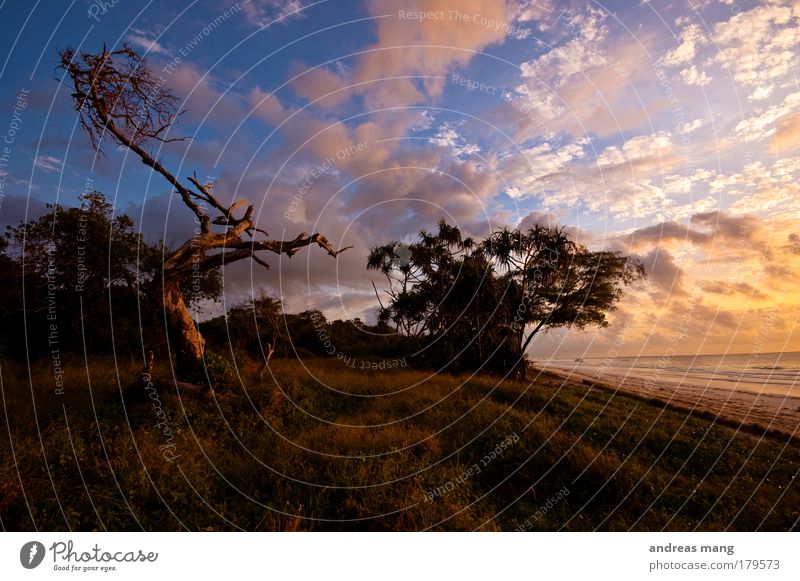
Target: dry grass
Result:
[325, 447]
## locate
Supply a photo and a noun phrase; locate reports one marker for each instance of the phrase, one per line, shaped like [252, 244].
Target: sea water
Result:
[772, 373]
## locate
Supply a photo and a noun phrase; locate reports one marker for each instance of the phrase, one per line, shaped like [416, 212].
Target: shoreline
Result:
[760, 413]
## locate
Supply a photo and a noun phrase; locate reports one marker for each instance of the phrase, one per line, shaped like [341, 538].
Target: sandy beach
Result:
[752, 412]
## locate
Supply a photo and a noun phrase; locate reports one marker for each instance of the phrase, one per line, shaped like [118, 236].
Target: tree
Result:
[254, 326]
[78, 264]
[443, 291]
[420, 276]
[481, 304]
[117, 97]
[556, 281]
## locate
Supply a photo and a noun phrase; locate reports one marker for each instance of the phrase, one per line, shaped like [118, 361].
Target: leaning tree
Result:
[557, 281]
[118, 98]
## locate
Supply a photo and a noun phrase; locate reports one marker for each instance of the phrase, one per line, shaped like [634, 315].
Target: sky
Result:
[668, 130]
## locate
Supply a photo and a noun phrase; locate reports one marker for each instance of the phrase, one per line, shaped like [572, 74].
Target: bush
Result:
[219, 372]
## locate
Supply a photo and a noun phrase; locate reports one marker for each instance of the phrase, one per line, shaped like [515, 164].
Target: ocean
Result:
[772, 373]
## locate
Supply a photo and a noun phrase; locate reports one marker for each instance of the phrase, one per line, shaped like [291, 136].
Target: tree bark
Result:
[184, 335]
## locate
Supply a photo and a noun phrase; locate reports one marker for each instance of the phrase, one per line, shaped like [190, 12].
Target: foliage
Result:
[82, 266]
[219, 372]
[255, 324]
[473, 301]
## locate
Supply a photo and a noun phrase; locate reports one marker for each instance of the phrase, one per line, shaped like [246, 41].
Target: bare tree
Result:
[117, 97]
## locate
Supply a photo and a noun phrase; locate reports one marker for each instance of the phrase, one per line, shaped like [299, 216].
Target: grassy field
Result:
[443, 453]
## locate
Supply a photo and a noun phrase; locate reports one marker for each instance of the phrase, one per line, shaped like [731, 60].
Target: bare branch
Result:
[116, 95]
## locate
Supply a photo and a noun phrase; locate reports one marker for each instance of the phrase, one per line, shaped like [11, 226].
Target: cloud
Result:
[574, 57]
[583, 83]
[637, 148]
[535, 10]
[793, 246]
[722, 287]
[758, 188]
[787, 133]
[765, 123]
[262, 13]
[704, 229]
[267, 107]
[319, 83]
[664, 272]
[691, 37]
[634, 180]
[448, 137]
[759, 45]
[48, 163]
[528, 171]
[202, 100]
[691, 126]
[143, 40]
[692, 76]
[428, 49]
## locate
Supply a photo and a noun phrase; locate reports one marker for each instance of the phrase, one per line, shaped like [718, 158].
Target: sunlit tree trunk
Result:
[184, 335]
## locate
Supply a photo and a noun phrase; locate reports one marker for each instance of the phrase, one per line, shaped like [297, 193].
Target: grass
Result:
[286, 453]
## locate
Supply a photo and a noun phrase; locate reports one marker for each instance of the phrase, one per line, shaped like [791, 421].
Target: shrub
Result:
[219, 371]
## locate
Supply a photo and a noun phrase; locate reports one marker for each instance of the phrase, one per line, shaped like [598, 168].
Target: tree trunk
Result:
[519, 368]
[183, 333]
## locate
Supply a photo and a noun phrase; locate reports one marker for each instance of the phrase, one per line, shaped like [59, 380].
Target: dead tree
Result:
[268, 354]
[118, 98]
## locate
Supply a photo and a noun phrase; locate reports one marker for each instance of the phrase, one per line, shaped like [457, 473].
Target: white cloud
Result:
[262, 13]
[637, 148]
[761, 93]
[149, 45]
[691, 126]
[692, 76]
[48, 163]
[691, 37]
[531, 165]
[763, 124]
[449, 138]
[759, 189]
[760, 45]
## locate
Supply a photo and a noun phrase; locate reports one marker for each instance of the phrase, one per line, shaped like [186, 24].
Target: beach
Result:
[755, 403]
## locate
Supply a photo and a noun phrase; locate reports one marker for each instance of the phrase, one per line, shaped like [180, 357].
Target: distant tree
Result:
[254, 326]
[13, 317]
[80, 262]
[481, 304]
[442, 290]
[118, 98]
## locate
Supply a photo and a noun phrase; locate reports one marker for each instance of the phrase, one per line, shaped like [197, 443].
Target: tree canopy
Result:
[480, 304]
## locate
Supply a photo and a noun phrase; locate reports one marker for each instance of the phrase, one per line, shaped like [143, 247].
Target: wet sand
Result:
[750, 411]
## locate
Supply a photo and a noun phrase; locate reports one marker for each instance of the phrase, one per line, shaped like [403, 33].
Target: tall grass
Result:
[316, 445]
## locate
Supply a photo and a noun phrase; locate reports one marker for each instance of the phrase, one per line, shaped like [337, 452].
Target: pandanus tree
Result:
[119, 99]
[491, 298]
[556, 281]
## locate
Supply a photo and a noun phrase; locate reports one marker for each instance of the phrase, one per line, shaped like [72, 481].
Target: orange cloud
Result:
[787, 134]
[319, 83]
[267, 107]
[426, 38]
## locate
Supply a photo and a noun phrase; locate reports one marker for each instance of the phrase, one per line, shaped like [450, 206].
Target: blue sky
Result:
[668, 130]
